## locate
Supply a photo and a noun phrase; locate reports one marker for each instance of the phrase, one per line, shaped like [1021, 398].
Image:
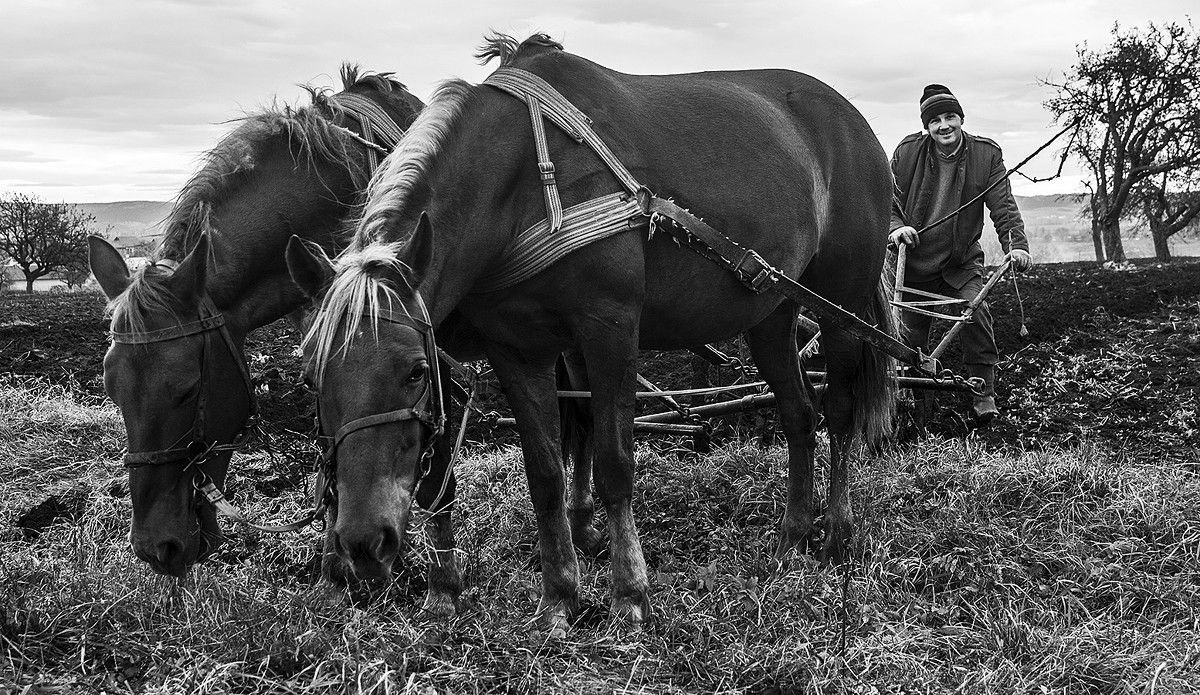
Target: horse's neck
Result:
[455, 270]
[252, 285]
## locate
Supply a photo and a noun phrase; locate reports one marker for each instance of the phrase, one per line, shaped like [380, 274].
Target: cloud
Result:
[109, 97]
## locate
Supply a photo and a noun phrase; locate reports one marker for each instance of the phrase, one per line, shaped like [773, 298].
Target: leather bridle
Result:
[428, 409]
[197, 451]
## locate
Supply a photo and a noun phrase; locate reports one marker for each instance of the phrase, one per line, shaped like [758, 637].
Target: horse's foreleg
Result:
[445, 578]
[436, 494]
[612, 371]
[773, 346]
[578, 436]
[533, 397]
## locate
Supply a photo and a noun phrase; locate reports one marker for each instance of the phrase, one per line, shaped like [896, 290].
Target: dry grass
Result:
[975, 571]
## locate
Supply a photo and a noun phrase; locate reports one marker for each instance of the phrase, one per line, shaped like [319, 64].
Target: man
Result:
[937, 171]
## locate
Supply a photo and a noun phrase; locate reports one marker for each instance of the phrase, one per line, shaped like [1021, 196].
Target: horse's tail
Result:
[875, 384]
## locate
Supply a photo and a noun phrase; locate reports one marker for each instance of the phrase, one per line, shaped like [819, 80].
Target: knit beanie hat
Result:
[936, 100]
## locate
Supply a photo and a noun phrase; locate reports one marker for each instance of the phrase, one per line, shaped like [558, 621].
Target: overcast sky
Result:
[108, 100]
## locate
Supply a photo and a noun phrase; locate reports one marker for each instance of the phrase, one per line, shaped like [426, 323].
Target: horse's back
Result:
[775, 159]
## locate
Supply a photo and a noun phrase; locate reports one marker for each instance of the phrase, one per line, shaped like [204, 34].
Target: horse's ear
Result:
[311, 270]
[108, 266]
[421, 248]
[190, 277]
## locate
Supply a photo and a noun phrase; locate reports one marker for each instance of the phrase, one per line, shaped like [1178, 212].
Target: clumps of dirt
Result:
[66, 506]
[1109, 354]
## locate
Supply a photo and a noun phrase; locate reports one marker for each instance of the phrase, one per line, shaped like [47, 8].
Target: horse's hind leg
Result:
[843, 358]
[611, 357]
[533, 396]
[578, 436]
[773, 346]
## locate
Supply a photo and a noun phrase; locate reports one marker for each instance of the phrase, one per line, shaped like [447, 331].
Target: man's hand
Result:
[904, 235]
[1021, 260]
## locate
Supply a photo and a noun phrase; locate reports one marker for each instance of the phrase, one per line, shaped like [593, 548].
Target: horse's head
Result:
[177, 373]
[369, 353]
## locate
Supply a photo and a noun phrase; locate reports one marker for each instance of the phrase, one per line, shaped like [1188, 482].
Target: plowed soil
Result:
[1110, 357]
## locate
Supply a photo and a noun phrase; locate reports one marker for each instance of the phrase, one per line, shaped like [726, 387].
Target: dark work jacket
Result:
[980, 163]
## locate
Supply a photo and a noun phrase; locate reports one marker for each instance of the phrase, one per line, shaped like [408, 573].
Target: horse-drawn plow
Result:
[689, 412]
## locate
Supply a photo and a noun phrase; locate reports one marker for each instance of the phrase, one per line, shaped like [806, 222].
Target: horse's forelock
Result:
[402, 172]
[148, 294]
[362, 287]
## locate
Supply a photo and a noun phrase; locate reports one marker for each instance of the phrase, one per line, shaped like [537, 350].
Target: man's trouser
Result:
[978, 340]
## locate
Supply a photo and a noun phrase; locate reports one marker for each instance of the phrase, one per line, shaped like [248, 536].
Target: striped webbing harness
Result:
[380, 133]
[562, 231]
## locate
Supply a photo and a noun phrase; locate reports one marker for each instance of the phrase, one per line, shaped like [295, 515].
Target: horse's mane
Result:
[404, 170]
[359, 288]
[506, 48]
[309, 130]
[361, 272]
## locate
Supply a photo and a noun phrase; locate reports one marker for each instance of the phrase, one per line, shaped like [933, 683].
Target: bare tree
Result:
[42, 237]
[1169, 204]
[1136, 105]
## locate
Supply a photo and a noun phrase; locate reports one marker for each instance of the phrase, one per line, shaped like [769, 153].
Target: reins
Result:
[1013, 277]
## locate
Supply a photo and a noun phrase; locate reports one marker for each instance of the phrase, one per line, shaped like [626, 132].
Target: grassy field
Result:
[976, 570]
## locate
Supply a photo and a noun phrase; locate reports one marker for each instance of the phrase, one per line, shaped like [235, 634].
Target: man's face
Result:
[946, 130]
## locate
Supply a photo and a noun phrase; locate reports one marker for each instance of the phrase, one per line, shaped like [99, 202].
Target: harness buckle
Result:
[753, 271]
[546, 170]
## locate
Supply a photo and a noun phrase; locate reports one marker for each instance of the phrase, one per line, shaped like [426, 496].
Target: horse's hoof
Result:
[438, 608]
[834, 552]
[589, 540]
[631, 611]
[554, 620]
[550, 630]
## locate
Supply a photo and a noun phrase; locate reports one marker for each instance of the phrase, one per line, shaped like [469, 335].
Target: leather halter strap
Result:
[428, 410]
[198, 449]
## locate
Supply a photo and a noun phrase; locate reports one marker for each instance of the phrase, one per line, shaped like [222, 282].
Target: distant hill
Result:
[129, 222]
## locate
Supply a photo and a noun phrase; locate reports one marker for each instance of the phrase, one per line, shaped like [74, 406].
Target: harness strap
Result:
[380, 132]
[528, 87]
[554, 211]
[758, 275]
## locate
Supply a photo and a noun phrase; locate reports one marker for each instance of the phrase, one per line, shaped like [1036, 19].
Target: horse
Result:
[176, 367]
[776, 159]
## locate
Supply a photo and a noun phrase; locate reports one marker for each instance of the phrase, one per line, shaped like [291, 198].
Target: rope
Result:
[1020, 304]
[1000, 179]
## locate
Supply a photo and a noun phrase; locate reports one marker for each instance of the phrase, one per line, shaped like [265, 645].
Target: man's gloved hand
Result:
[1021, 260]
[904, 235]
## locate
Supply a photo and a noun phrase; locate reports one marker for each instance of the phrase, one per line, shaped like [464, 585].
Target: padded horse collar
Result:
[199, 449]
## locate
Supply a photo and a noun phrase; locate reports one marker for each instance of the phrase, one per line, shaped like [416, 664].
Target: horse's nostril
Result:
[168, 558]
[387, 545]
[168, 551]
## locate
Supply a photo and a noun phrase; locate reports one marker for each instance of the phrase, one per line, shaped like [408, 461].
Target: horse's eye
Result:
[307, 381]
[418, 373]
